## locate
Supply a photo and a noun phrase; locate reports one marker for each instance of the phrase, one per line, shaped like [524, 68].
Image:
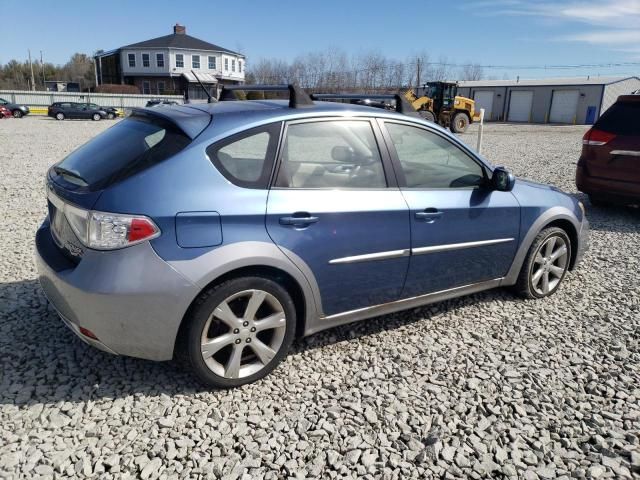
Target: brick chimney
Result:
[179, 29]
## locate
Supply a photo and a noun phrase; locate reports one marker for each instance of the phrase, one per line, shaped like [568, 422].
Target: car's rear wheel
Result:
[17, 114]
[59, 116]
[238, 331]
[546, 264]
[96, 117]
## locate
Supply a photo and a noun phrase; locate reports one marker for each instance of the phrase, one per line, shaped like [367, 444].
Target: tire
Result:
[236, 335]
[541, 258]
[59, 116]
[427, 115]
[17, 114]
[111, 115]
[459, 123]
[95, 117]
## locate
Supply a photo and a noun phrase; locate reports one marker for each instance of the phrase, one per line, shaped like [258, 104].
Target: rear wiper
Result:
[68, 173]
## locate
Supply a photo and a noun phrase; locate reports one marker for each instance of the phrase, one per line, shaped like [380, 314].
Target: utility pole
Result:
[33, 81]
[417, 75]
[43, 76]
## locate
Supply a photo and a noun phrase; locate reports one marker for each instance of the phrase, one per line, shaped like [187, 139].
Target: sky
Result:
[503, 35]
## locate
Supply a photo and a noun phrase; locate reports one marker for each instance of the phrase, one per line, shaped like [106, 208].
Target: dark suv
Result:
[608, 169]
[63, 110]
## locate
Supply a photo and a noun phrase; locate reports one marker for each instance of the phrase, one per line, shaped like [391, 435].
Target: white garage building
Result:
[578, 100]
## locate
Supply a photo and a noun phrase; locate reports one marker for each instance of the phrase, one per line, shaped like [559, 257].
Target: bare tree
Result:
[471, 71]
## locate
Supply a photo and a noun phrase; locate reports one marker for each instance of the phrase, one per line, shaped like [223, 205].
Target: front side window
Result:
[195, 61]
[146, 62]
[160, 60]
[132, 60]
[212, 63]
[331, 154]
[429, 160]
[246, 159]
[179, 60]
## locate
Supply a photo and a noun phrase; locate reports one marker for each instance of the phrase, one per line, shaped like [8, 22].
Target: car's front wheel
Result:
[111, 115]
[238, 331]
[17, 114]
[545, 265]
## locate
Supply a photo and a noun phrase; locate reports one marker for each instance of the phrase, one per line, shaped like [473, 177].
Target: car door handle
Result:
[429, 215]
[298, 220]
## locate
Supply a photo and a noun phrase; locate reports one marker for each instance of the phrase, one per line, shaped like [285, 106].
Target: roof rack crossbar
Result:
[402, 105]
[298, 98]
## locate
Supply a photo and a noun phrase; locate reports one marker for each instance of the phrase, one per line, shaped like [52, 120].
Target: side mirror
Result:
[343, 154]
[502, 180]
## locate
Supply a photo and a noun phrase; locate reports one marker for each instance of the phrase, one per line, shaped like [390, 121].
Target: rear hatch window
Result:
[622, 118]
[134, 144]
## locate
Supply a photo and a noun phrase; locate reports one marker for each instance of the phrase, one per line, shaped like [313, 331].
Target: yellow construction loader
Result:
[442, 105]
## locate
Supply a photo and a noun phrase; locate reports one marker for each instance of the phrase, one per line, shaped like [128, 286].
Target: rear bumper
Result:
[608, 189]
[131, 299]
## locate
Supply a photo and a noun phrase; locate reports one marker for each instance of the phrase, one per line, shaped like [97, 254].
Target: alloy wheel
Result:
[550, 264]
[243, 334]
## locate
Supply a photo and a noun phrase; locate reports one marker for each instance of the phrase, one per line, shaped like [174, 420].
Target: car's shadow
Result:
[612, 218]
[42, 361]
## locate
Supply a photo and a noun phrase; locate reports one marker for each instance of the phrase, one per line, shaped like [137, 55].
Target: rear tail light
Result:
[88, 333]
[597, 137]
[109, 231]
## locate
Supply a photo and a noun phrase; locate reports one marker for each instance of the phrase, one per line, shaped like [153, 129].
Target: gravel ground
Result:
[483, 386]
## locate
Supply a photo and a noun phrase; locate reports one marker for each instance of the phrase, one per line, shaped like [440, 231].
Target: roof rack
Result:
[402, 105]
[298, 98]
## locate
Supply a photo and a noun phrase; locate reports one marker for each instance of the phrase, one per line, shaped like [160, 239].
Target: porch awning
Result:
[204, 77]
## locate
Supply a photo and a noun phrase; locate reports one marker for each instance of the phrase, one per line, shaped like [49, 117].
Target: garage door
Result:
[520, 106]
[484, 100]
[564, 106]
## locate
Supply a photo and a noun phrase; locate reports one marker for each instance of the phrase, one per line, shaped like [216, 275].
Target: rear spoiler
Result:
[191, 121]
[402, 105]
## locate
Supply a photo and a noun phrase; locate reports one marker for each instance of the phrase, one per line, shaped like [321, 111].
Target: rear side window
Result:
[246, 159]
[129, 147]
[622, 118]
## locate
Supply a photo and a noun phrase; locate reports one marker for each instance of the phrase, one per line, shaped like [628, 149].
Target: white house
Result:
[165, 65]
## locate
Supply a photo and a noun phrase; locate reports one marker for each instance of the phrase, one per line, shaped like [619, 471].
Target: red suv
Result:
[609, 167]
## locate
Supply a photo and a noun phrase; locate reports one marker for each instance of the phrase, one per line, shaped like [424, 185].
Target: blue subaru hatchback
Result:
[216, 233]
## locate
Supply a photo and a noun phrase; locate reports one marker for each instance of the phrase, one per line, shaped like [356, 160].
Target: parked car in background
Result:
[5, 112]
[160, 103]
[283, 219]
[111, 111]
[609, 167]
[17, 110]
[74, 110]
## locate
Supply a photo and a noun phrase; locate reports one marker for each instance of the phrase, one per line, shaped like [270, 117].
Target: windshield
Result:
[131, 146]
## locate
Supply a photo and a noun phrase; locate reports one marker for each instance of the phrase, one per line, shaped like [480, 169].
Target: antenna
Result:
[209, 99]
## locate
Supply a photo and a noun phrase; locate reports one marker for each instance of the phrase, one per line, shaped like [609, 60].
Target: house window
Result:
[160, 59]
[212, 63]
[179, 60]
[161, 88]
[132, 60]
[146, 88]
[146, 62]
[233, 65]
[239, 66]
[226, 64]
[195, 61]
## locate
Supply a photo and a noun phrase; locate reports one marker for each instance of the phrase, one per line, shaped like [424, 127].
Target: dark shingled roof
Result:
[180, 41]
